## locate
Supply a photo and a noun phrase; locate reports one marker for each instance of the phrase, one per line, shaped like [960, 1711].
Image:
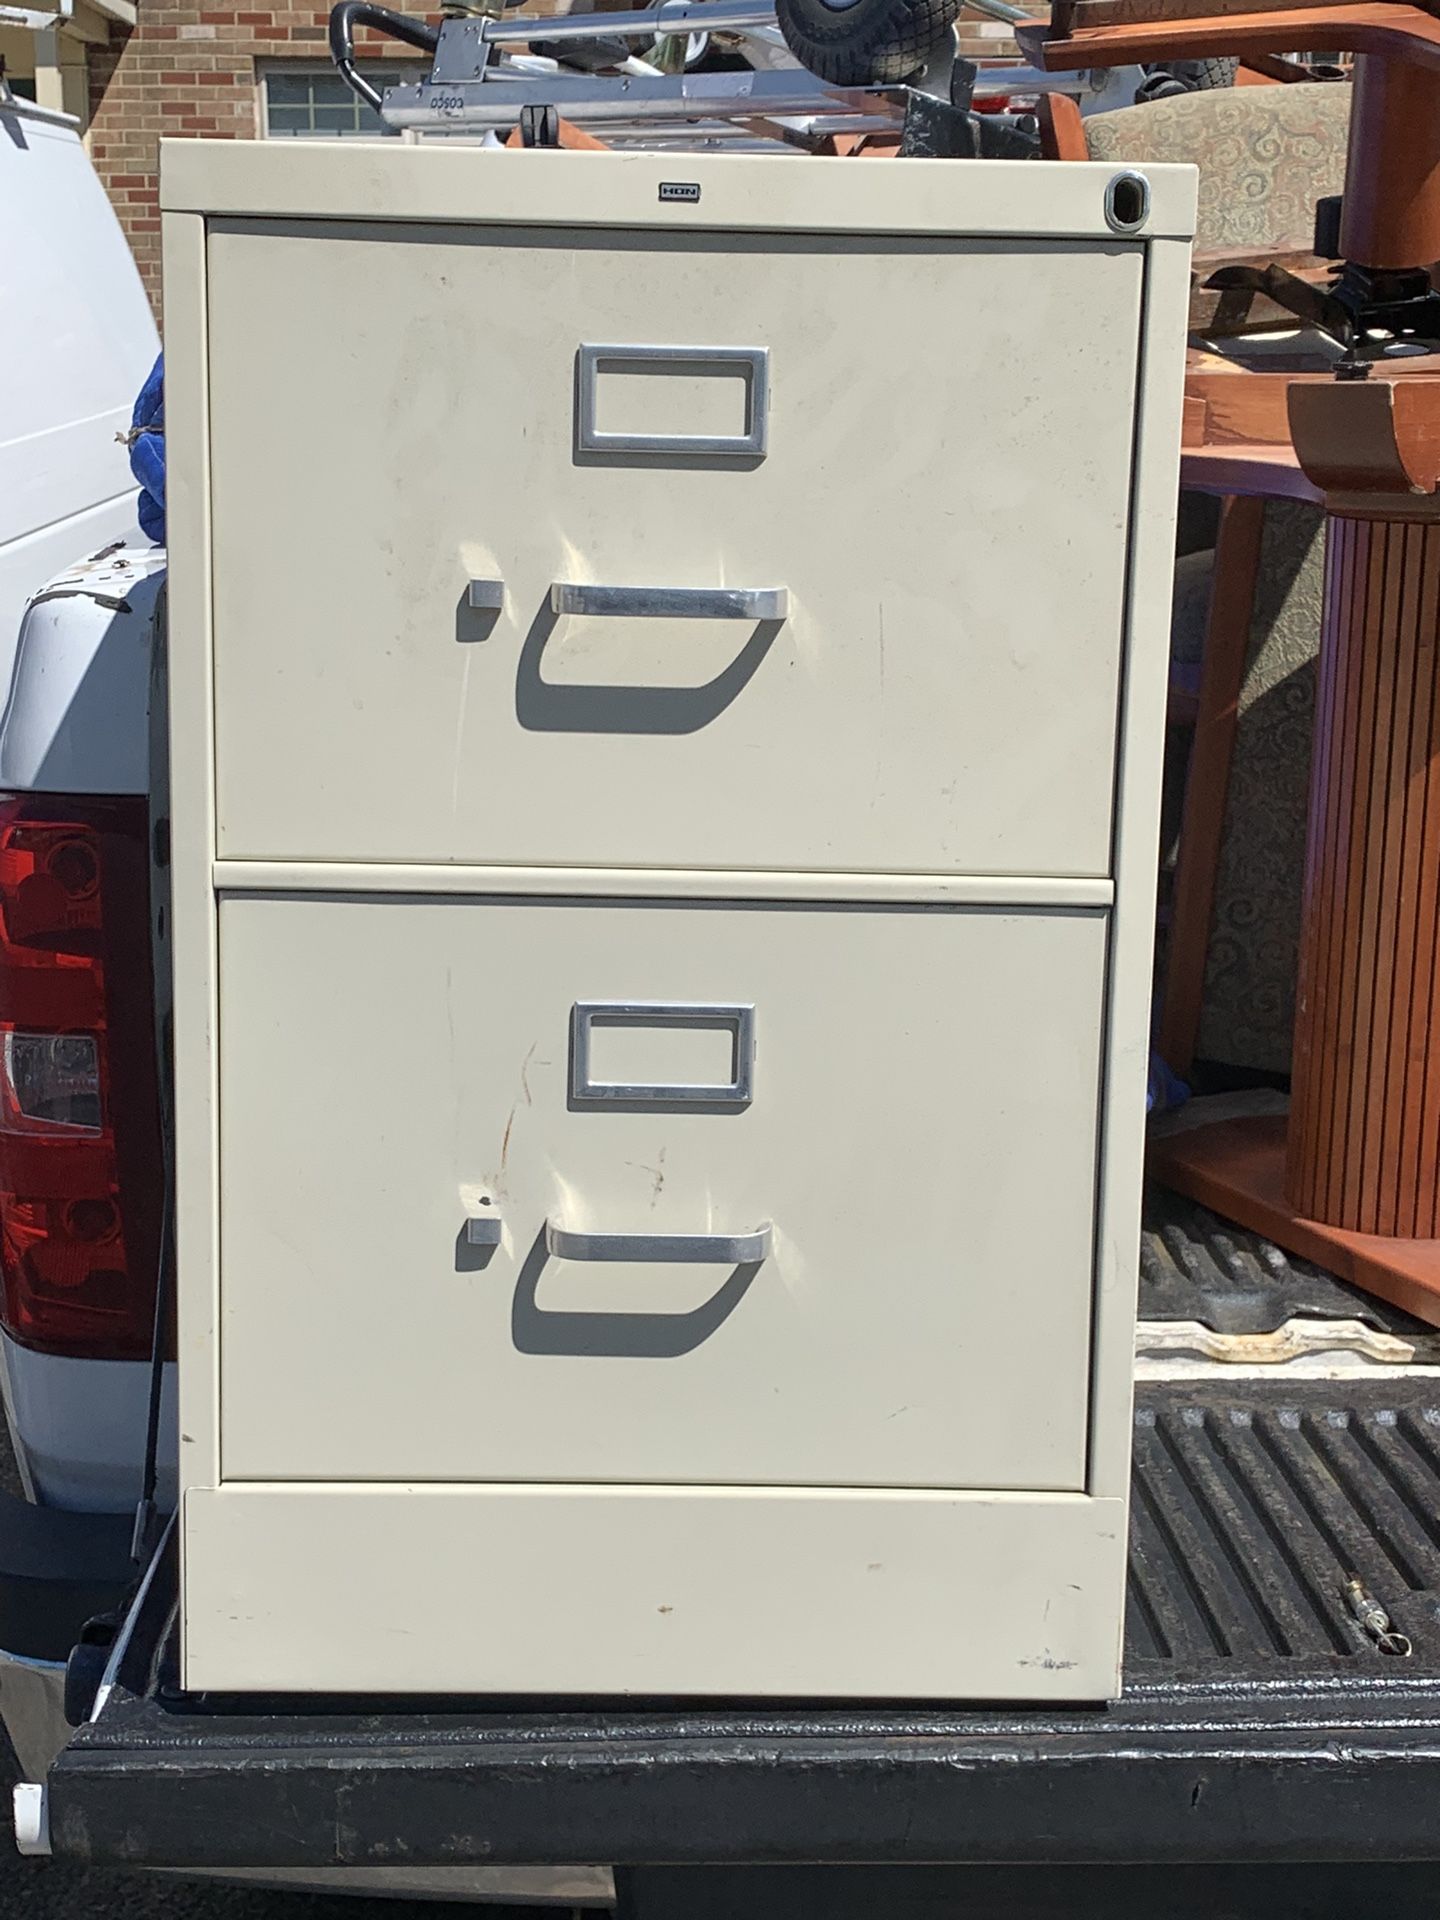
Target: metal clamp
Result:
[699, 1249]
[750, 445]
[586, 1091]
[485, 596]
[681, 603]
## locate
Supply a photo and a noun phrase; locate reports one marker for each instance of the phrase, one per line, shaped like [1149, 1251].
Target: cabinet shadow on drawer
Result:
[473, 624]
[677, 461]
[548, 706]
[616, 1336]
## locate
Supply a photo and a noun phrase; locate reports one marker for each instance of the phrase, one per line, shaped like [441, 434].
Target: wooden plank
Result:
[1271, 69]
[1415, 1170]
[1316, 984]
[1271, 473]
[1237, 1169]
[1401, 32]
[1062, 128]
[1243, 409]
[1404, 858]
[1089, 15]
[1366, 1103]
[1367, 436]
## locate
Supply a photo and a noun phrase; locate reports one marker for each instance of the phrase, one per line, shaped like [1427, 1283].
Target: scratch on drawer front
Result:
[456, 762]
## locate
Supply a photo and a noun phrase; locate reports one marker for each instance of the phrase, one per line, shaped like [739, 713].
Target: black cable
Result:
[350, 14]
[145, 1511]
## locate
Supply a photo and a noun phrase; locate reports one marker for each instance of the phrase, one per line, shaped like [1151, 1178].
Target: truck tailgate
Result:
[1260, 1720]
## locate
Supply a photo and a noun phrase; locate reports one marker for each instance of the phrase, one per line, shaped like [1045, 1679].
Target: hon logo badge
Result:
[679, 189]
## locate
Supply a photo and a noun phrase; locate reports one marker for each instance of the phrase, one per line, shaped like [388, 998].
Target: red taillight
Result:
[80, 1153]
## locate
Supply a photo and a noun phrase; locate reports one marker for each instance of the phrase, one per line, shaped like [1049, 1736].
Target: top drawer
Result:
[942, 492]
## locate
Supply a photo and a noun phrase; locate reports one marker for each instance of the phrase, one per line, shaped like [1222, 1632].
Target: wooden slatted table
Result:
[1352, 1179]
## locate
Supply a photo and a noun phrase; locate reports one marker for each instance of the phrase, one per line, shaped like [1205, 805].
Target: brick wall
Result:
[985, 39]
[190, 70]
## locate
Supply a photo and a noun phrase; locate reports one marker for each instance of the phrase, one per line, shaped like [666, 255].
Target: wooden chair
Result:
[1231, 953]
[1266, 154]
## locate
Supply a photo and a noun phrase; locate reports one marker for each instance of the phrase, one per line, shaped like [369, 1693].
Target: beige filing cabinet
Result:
[666, 712]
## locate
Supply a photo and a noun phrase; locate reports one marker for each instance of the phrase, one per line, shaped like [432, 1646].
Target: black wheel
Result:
[1185, 76]
[1213, 73]
[861, 43]
[84, 1671]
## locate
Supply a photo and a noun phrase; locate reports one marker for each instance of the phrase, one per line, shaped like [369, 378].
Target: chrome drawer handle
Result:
[684, 603]
[710, 1249]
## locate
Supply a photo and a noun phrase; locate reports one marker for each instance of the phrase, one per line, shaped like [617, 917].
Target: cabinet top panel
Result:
[385, 179]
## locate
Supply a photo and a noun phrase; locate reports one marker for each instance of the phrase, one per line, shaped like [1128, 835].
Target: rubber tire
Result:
[872, 43]
[1214, 73]
[1168, 79]
[84, 1671]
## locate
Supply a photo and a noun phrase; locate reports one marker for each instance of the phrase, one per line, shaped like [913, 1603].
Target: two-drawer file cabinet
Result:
[666, 706]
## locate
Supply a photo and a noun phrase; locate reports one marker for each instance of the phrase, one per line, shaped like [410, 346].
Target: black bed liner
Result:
[1251, 1509]
[1260, 1722]
[1196, 1266]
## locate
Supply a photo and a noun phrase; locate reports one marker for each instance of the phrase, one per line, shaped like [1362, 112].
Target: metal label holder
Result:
[750, 445]
[587, 1091]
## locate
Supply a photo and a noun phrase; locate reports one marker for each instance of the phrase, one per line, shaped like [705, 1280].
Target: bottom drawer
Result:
[852, 1151]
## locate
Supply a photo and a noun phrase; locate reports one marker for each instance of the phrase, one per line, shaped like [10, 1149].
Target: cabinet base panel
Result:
[715, 1591]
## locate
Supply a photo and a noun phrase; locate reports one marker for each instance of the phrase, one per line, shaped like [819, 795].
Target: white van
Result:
[76, 339]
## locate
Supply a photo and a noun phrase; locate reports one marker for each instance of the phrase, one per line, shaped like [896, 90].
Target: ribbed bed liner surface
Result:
[1196, 1266]
[1252, 1508]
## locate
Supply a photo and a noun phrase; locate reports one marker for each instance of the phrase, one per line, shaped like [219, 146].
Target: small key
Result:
[1374, 1619]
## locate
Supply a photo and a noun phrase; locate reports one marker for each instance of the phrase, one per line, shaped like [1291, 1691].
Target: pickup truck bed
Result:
[1261, 1723]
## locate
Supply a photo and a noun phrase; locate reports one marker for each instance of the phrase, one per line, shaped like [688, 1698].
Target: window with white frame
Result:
[314, 103]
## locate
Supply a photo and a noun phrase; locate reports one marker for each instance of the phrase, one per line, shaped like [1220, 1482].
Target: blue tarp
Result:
[147, 452]
[1165, 1089]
